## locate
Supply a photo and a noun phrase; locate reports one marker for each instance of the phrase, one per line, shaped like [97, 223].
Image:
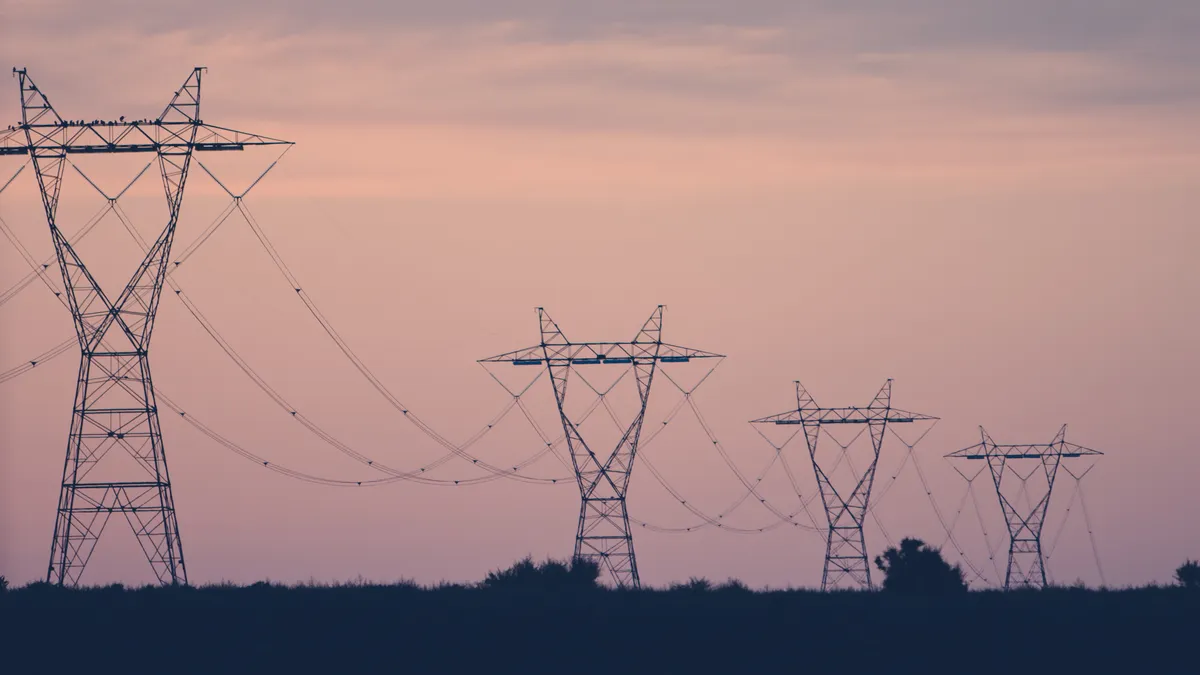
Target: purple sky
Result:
[990, 202]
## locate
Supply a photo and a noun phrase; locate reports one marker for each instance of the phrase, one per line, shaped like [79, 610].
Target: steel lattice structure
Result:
[115, 407]
[1026, 566]
[845, 547]
[603, 534]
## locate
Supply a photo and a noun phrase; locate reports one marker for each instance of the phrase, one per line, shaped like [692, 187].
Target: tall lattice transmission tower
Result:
[603, 534]
[115, 410]
[846, 509]
[1024, 510]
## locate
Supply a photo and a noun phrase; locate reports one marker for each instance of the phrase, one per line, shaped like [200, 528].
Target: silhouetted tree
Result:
[580, 573]
[917, 569]
[1188, 574]
[3, 584]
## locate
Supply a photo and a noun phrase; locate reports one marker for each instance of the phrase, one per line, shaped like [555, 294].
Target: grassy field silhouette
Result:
[554, 617]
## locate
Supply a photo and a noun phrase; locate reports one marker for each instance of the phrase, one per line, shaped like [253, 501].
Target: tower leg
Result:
[115, 411]
[603, 536]
[846, 556]
[1026, 567]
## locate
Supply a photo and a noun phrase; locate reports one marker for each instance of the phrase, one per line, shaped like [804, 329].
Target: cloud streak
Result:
[668, 66]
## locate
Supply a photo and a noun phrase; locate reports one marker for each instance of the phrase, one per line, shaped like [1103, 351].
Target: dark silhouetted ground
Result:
[566, 629]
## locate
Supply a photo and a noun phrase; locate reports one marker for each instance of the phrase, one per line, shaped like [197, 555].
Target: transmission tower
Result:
[603, 534]
[115, 407]
[845, 547]
[1026, 567]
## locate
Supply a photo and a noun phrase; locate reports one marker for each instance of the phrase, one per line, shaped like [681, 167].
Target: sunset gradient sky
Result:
[990, 201]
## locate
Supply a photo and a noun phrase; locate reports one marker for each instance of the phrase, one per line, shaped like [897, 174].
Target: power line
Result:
[349, 353]
[278, 398]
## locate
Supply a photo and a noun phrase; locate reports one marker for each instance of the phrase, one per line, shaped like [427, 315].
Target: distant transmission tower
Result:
[845, 547]
[115, 408]
[603, 534]
[1026, 566]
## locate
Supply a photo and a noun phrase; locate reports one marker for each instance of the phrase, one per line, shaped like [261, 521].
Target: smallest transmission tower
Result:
[1026, 567]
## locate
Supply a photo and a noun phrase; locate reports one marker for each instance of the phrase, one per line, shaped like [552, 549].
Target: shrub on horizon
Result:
[1187, 575]
[694, 585]
[732, 585]
[916, 569]
[578, 574]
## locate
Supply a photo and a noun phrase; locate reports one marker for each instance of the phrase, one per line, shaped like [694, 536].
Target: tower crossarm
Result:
[121, 137]
[600, 353]
[177, 129]
[868, 415]
[1022, 451]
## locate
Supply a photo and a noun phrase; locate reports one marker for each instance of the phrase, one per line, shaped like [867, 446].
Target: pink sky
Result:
[994, 211]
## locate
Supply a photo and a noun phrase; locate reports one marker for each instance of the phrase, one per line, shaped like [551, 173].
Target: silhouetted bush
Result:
[3, 584]
[579, 574]
[917, 569]
[694, 585]
[1188, 574]
[732, 585]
